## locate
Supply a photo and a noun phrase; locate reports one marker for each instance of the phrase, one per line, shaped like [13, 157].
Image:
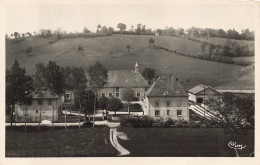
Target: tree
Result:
[40, 83]
[85, 30]
[143, 28]
[103, 103]
[121, 26]
[149, 74]
[128, 47]
[98, 27]
[16, 35]
[54, 78]
[110, 30]
[151, 42]
[138, 30]
[235, 111]
[86, 99]
[18, 86]
[128, 95]
[97, 79]
[114, 104]
[104, 29]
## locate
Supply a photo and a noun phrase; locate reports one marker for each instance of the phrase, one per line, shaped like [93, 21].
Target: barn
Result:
[200, 92]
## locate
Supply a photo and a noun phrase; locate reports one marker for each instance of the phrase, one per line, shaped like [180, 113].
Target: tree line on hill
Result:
[141, 29]
[57, 80]
[245, 34]
[229, 49]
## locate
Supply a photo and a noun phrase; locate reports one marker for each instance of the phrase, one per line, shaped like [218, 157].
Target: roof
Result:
[44, 94]
[200, 88]
[125, 78]
[166, 87]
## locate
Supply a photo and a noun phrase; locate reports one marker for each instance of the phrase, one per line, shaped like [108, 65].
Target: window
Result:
[103, 95]
[39, 102]
[117, 94]
[36, 111]
[138, 94]
[157, 113]
[110, 95]
[179, 103]
[49, 101]
[168, 103]
[168, 112]
[117, 89]
[179, 112]
[67, 96]
[157, 103]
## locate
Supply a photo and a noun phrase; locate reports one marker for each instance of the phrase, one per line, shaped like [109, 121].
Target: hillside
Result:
[112, 53]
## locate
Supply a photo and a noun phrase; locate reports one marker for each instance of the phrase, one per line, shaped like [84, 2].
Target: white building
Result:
[167, 99]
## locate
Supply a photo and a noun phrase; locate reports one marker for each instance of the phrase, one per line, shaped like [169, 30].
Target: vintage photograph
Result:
[138, 79]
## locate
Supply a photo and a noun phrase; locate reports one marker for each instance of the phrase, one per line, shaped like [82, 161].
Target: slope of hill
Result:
[112, 53]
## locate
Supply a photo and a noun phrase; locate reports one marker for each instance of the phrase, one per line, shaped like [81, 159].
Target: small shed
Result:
[200, 92]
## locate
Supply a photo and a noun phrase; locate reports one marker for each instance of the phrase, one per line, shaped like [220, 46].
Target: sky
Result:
[73, 17]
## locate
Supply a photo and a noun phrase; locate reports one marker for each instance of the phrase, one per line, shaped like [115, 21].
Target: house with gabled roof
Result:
[42, 106]
[200, 92]
[167, 99]
[119, 80]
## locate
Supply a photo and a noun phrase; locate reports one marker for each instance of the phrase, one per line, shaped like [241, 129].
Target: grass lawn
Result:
[60, 143]
[184, 142]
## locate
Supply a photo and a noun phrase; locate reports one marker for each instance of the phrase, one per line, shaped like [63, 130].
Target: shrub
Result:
[227, 60]
[216, 58]
[80, 48]
[50, 42]
[206, 57]
[136, 108]
[137, 122]
[28, 49]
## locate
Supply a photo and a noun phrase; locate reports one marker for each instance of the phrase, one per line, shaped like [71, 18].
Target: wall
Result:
[113, 91]
[33, 115]
[173, 107]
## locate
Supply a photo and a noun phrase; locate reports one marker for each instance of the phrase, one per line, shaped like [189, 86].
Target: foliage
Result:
[86, 99]
[114, 104]
[18, 85]
[97, 75]
[149, 74]
[103, 103]
[85, 30]
[39, 78]
[54, 78]
[121, 26]
[234, 110]
[135, 108]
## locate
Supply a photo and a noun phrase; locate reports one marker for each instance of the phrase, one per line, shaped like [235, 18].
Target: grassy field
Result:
[112, 53]
[60, 143]
[184, 142]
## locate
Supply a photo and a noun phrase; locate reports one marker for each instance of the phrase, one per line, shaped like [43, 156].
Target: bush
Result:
[136, 108]
[137, 122]
[28, 49]
[227, 60]
[216, 58]
[80, 48]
